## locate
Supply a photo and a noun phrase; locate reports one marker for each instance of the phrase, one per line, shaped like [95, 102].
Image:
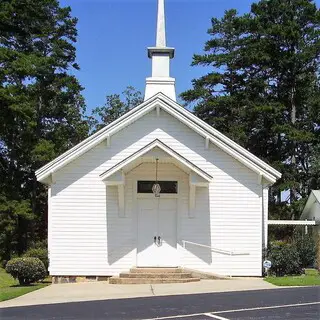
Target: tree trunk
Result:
[293, 192]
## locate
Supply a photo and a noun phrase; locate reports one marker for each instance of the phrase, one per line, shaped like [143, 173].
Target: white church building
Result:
[158, 187]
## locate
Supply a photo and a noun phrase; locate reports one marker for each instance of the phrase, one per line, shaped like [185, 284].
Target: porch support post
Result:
[118, 180]
[121, 200]
[195, 181]
[192, 200]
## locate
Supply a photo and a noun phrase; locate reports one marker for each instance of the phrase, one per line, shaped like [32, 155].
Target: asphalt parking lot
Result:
[308, 311]
[287, 303]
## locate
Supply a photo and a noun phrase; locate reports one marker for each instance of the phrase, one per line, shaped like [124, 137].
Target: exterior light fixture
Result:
[156, 189]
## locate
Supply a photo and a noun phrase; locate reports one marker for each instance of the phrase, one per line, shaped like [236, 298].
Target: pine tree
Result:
[262, 89]
[41, 110]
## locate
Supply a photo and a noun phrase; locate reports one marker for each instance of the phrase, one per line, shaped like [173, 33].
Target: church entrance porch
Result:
[146, 228]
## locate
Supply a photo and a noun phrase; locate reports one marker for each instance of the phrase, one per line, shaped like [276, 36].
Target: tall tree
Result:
[262, 89]
[41, 110]
[115, 106]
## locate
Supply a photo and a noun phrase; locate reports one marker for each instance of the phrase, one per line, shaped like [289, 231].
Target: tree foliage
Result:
[292, 255]
[41, 111]
[306, 247]
[285, 259]
[262, 90]
[40, 253]
[115, 106]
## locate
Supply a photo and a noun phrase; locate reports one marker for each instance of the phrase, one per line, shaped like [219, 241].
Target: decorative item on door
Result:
[156, 189]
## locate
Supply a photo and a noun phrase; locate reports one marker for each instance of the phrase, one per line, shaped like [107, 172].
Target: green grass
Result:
[310, 278]
[10, 288]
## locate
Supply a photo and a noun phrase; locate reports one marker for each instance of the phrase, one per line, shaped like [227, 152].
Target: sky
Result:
[113, 36]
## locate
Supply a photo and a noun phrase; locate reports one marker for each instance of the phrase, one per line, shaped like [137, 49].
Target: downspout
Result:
[264, 227]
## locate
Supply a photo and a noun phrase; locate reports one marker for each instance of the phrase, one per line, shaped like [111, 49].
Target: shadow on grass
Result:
[31, 284]
[25, 285]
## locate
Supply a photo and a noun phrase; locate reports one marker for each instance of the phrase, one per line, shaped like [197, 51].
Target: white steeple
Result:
[160, 81]
[161, 26]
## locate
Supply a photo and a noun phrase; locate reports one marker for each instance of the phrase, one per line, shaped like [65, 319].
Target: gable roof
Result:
[159, 144]
[314, 196]
[161, 101]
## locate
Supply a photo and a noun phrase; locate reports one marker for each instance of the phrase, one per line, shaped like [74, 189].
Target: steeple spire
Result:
[161, 25]
[160, 81]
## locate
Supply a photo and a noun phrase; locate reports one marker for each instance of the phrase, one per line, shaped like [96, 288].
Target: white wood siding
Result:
[84, 220]
[314, 213]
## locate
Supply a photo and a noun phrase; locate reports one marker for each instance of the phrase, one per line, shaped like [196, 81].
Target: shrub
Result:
[26, 270]
[285, 259]
[40, 253]
[318, 252]
[306, 248]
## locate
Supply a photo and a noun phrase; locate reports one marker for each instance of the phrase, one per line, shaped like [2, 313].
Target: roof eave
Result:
[156, 143]
[88, 140]
[220, 136]
[188, 118]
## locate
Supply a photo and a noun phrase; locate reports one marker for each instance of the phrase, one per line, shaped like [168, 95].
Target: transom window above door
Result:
[170, 187]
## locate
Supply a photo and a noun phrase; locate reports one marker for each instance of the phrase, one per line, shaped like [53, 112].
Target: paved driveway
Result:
[293, 304]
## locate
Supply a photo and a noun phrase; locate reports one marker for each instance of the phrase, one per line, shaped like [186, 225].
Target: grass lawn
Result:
[311, 278]
[10, 288]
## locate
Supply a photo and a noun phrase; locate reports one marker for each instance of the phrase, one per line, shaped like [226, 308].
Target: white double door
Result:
[157, 232]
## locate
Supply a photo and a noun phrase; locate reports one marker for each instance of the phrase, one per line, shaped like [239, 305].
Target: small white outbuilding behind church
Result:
[212, 211]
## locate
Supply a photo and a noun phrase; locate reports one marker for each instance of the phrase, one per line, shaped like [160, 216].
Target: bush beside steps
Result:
[27, 270]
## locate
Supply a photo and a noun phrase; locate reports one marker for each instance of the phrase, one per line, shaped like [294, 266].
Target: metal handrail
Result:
[226, 252]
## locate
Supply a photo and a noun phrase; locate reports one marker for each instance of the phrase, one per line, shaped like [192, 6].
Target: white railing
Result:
[225, 252]
[220, 251]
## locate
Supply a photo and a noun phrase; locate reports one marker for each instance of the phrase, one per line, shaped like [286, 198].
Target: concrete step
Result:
[156, 270]
[153, 275]
[116, 280]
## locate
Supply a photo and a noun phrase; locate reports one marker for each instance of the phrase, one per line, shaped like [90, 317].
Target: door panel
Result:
[147, 230]
[157, 217]
[167, 230]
